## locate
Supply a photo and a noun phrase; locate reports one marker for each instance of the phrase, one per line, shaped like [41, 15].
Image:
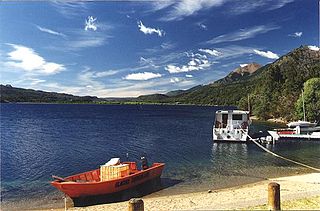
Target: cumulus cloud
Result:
[211, 52]
[174, 80]
[142, 76]
[149, 30]
[49, 31]
[313, 48]
[242, 34]
[197, 61]
[296, 34]
[187, 68]
[90, 23]
[267, 54]
[28, 60]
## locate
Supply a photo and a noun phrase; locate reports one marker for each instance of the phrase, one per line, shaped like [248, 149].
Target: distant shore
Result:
[293, 188]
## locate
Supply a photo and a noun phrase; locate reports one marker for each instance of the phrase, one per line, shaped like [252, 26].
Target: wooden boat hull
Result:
[94, 187]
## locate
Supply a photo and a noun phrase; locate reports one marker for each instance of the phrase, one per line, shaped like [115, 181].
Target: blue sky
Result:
[131, 48]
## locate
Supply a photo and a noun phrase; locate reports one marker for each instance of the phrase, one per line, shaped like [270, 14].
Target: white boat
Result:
[297, 130]
[301, 124]
[231, 125]
[295, 134]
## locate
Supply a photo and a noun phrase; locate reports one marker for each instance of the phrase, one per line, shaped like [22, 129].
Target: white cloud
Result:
[267, 54]
[142, 76]
[71, 8]
[105, 73]
[186, 68]
[202, 26]
[85, 42]
[186, 8]
[174, 80]
[234, 51]
[279, 3]
[212, 52]
[28, 60]
[36, 81]
[167, 45]
[192, 62]
[238, 7]
[313, 48]
[49, 31]
[189, 76]
[242, 34]
[90, 23]
[197, 62]
[85, 39]
[243, 65]
[149, 30]
[159, 5]
[296, 34]
[25, 81]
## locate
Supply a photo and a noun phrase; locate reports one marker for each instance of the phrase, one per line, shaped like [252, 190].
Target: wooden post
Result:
[136, 204]
[65, 202]
[274, 196]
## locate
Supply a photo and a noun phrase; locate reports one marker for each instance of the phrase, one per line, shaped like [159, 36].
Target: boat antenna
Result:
[304, 111]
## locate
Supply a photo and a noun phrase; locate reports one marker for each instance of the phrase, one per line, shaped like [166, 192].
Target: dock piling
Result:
[274, 196]
[136, 204]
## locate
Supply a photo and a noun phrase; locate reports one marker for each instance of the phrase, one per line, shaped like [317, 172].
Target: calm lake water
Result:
[40, 140]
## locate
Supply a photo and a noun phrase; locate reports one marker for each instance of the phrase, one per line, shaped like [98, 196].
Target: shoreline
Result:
[243, 196]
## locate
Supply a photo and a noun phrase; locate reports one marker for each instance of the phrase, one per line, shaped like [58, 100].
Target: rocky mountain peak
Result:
[247, 68]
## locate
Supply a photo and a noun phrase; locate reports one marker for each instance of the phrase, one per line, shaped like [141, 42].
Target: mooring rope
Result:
[279, 156]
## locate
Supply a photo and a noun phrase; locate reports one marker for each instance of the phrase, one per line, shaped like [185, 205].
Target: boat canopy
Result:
[232, 111]
[302, 124]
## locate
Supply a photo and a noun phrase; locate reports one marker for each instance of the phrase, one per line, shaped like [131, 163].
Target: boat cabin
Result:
[231, 125]
[232, 118]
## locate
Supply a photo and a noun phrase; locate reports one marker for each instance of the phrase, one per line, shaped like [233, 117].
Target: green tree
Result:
[311, 100]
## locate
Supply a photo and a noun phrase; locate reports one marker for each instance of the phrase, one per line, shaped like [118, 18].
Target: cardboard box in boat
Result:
[113, 172]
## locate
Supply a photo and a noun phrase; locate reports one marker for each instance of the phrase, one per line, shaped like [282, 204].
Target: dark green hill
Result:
[152, 98]
[179, 92]
[11, 94]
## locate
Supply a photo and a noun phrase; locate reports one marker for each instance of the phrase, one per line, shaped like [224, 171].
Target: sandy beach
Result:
[241, 197]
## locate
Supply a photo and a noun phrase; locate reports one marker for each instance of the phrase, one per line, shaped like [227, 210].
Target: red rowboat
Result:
[89, 183]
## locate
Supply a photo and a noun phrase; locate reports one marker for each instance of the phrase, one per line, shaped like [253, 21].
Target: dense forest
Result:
[11, 94]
